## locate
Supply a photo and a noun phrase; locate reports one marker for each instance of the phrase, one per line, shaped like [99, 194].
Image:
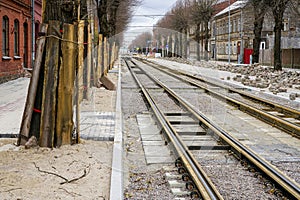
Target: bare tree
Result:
[201, 13]
[180, 22]
[259, 10]
[141, 41]
[278, 8]
[60, 10]
[114, 15]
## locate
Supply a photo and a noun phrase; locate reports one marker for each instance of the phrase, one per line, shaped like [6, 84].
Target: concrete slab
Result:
[201, 143]
[197, 138]
[150, 130]
[153, 143]
[151, 137]
[153, 151]
[179, 192]
[156, 152]
[189, 128]
[159, 160]
[176, 184]
[180, 119]
[170, 176]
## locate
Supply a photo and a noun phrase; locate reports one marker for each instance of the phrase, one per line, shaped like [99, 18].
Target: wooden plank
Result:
[108, 84]
[113, 55]
[89, 62]
[79, 76]
[105, 63]
[64, 121]
[100, 57]
[32, 90]
[80, 59]
[48, 110]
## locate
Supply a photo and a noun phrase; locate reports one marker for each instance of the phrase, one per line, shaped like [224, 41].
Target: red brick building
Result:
[16, 36]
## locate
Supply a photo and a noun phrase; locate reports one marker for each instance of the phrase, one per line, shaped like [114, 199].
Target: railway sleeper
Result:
[209, 147]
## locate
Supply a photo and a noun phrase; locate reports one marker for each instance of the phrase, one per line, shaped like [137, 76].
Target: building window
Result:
[239, 25]
[16, 38]
[25, 48]
[5, 39]
[227, 28]
[234, 27]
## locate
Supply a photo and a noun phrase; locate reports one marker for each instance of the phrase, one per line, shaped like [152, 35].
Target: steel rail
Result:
[276, 106]
[201, 180]
[281, 179]
[280, 123]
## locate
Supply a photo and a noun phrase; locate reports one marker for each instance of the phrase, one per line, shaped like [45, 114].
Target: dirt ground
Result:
[79, 171]
[71, 172]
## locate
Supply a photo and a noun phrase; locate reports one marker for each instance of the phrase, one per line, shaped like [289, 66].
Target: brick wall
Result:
[13, 68]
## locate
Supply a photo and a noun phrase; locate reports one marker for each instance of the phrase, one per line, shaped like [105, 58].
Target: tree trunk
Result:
[206, 40]
[197, 37]
[278, 8]
[258, 25]
[185, 42]
[180, 43]
[259, 11]
[277, 44]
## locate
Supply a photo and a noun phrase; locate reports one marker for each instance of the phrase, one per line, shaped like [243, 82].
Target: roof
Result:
[236, 5]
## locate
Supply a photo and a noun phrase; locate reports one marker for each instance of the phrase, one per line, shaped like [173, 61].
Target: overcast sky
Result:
[147, 7]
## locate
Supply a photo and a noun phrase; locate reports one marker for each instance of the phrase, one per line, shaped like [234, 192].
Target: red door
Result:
[247, 53]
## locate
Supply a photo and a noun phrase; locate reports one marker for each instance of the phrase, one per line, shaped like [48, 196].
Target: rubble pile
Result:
[179, 60]
[264, 77]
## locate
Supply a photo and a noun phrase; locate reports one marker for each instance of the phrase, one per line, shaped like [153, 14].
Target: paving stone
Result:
[98, 126]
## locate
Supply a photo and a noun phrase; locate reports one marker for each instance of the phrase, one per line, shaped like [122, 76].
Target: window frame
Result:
[16, 38]
[5, 36]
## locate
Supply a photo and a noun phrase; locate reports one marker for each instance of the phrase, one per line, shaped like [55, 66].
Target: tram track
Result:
[193, 117]
[282, 117]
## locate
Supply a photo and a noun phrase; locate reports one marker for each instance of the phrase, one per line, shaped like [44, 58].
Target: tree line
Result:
[198, 14]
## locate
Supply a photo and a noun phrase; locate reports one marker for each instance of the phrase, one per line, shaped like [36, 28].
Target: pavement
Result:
[12, 103]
